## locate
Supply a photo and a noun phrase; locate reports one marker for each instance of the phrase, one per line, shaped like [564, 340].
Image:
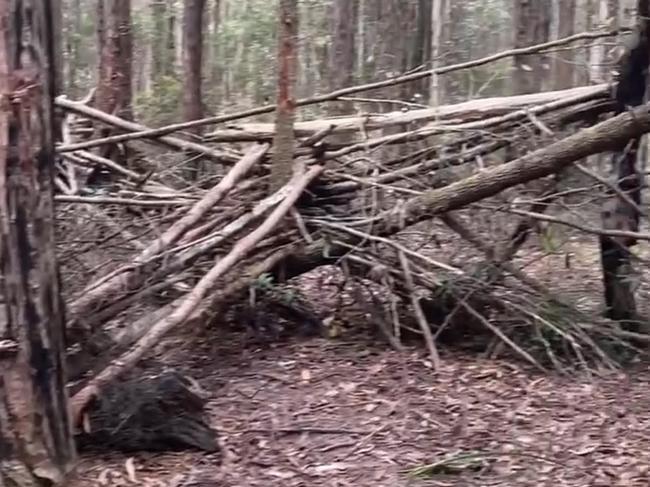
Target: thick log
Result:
[36, 446]
[457, 113]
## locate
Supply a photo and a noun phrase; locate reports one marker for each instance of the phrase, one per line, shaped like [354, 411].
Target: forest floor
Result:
[352, 412]
[327, 413]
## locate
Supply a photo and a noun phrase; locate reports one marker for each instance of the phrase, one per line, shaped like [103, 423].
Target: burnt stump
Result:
[162, 412]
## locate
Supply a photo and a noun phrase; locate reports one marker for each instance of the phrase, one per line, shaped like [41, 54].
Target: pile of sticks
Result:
[354, 189]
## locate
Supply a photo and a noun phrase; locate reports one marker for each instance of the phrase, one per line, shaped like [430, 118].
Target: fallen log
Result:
[605, 136]
[459, 113]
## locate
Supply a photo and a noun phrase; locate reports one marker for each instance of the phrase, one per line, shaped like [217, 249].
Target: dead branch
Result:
[580, 226]
[107, 200]
[175, 142]
[419, 314]
[96, 293]
[298, 183]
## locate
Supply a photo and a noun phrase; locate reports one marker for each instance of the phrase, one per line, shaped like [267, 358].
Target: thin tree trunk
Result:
[213, 58]
[36, 445]
[159, 61]
[437, 19]
[114, 91]
[341, 53]
[564, 61]
[192, 69]
[532, 26]
[284, 140]
[421, 49]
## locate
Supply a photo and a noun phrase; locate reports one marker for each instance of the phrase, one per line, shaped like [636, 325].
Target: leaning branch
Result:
[97, 293]
[543, 162]
[175, 142]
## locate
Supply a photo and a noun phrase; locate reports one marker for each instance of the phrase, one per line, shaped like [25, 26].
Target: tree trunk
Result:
[173, 59]
[421, 49]
[532, 26]
[284, 140]
[192, 69]
[214, 62]
[114, 93]
[616, 213]
[159, 50]
[36, 446]
[341, 53]
[564, 61]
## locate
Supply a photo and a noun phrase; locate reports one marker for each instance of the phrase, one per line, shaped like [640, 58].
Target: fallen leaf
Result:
[331, 467]
[129, 465]
[281, 474]
[348, 386]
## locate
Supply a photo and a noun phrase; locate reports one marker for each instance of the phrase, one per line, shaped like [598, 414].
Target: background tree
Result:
[532, 26]
[284, 140]
[341, 54]
[114, 86]
[193, 69]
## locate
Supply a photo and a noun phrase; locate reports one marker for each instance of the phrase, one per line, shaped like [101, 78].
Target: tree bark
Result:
[532, 26]
[616, 213]
[114, 93]
[564, 61]
[284, 141]
[192, 70]
[159, 49]
[341, 53]
[436, 95]
[36, 446]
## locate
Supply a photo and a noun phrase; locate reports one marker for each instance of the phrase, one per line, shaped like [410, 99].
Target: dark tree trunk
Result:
[341, 53]
[36, 446]
[192, 69]
[618, 214]
[192, 59]
[284, 140]
[532, 26]
[114, 92]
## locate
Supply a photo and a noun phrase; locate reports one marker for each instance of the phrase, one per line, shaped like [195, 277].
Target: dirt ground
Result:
[341, 413]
